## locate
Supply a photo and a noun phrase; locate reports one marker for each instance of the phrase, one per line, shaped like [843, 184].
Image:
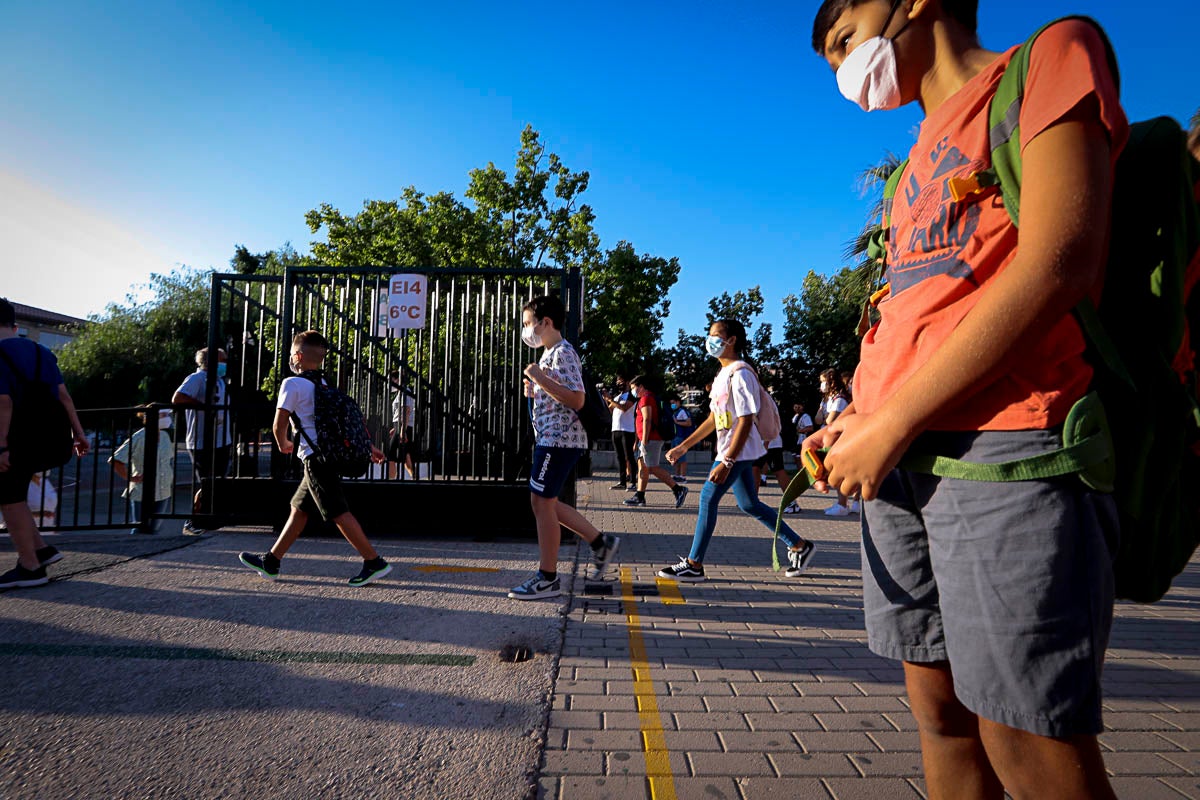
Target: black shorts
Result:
[14, 486]
[396, 449]
[320, 491]
[772, 461]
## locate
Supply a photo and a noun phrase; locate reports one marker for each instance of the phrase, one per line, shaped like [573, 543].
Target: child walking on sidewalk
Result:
[320, 491]
[555, 384]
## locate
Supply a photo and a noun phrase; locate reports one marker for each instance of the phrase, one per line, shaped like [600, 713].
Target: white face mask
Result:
[529, 337]
[633, 392]
[714, 346]
[869, 76]
[164, 421]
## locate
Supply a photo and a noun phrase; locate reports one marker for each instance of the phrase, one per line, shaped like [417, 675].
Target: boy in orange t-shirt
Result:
[997, 597]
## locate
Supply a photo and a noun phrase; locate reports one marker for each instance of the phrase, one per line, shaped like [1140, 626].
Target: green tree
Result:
[688, 362]
[625, 298]
[140, 351]
[532, 220]
[819, 328]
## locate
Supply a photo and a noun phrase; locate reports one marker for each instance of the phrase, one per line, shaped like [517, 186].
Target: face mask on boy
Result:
[529, 337]
[221, 369]
[714, 346]
[869, 76]
[164, 420]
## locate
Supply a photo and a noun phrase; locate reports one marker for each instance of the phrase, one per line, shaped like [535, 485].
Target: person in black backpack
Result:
[320, 490]
[25, 367]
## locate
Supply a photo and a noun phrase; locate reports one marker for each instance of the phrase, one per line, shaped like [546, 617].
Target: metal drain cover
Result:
[515, 653]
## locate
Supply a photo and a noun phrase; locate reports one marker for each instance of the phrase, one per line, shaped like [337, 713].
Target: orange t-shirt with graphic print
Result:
[942, 254]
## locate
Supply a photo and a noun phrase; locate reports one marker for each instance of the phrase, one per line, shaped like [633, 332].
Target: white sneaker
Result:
[792, 508]
[855, 508]
[837, 510]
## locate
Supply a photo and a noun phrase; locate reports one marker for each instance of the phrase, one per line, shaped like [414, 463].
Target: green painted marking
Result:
[223, 654]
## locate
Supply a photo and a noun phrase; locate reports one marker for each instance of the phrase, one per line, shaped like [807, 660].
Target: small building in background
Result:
[47, 328]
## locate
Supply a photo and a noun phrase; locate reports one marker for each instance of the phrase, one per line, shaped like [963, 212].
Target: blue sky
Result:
[138, 136]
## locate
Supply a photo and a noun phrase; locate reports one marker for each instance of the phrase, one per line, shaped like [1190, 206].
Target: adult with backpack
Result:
[653, 427]
[988, 555]
[38, 429]
[737, 398]
[331, 441]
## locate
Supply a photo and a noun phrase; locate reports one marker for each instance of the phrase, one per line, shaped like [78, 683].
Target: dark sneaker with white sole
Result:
[800, 559]
[619, 486]
[536, 588]
[48, 555]
[266, 564]
[684, 572]
[20, 578]
[681, 493]
[636, 500]
[371, 571]
[605, 557]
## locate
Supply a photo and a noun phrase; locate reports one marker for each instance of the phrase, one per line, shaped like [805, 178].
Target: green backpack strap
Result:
[1004, 118]
[799, 484]
[1087, 451]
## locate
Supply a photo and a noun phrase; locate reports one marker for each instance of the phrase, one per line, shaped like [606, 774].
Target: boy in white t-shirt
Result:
[321, 489]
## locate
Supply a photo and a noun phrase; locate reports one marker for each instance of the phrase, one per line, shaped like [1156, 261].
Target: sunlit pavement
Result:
[158, 666]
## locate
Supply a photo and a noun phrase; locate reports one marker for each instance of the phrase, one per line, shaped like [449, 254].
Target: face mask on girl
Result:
[869, 76]
[164, 420]
[633, 391]
[715, 346]
[529, 335]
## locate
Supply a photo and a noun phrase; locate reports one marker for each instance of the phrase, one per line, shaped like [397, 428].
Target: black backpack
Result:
[594, 414]
[666, 419]
[39, 436]
[342, 441]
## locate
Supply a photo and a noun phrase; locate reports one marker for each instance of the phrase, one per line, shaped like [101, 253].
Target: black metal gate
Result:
[461, 368]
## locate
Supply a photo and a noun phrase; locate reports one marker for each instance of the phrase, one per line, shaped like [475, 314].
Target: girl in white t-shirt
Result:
[734, 404]
[834, 400]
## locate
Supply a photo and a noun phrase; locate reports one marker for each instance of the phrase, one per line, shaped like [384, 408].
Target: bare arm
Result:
[571, 399]
[1064, 201]
[623, 406]
[280, 430]
[181, 399]
[82, 445]
[702, 430]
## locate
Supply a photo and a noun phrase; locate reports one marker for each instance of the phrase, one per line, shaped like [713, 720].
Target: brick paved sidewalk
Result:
[754, 685]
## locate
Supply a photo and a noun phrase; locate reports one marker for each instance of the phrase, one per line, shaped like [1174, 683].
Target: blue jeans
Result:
[741, 480]
[160, 507]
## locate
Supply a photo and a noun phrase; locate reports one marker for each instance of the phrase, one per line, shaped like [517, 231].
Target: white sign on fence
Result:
[406, 302]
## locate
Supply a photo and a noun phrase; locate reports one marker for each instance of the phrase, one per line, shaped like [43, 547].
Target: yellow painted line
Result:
[654, 743]
[668, 590]
[449, 568]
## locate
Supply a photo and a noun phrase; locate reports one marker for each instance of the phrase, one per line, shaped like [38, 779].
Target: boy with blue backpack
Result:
[320, 491]
[996, 593]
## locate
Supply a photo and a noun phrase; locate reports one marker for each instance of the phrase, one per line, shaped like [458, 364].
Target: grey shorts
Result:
[651, 453]
[1011, 583]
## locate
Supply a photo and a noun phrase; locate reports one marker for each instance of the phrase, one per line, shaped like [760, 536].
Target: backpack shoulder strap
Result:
[1004, 117]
